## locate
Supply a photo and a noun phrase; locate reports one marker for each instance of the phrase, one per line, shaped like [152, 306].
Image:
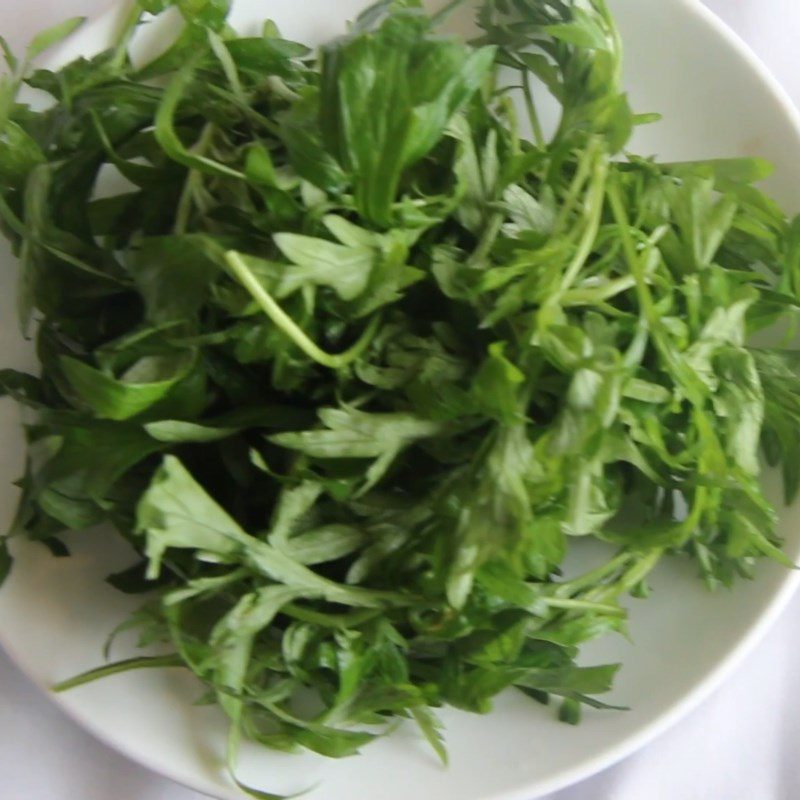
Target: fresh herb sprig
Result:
[352, 363]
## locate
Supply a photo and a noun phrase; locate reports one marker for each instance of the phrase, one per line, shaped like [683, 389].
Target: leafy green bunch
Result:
[352, 362]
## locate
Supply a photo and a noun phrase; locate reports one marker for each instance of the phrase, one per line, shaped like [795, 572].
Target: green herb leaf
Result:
[53, 36]
[351, 364]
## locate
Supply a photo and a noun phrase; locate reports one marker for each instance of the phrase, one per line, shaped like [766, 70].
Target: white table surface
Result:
[741, 744]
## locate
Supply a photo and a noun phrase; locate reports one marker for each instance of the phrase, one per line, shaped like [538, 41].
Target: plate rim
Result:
[629, 744]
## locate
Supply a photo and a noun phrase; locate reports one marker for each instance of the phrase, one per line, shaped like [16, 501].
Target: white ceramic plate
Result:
[717, 100]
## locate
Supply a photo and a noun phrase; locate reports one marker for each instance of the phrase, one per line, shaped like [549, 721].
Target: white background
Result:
[741, 744]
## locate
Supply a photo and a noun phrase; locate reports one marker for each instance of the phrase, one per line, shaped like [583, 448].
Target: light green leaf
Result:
[173, 431]
[144, 384]
[345, 269]
[52, 36]
[356, 434]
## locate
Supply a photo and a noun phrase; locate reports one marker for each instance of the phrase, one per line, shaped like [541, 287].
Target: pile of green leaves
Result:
[351, 362]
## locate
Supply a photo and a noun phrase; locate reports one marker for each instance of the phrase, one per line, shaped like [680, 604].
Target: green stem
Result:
[533, 114]
[166, 133]
[126, 33]
[634, 576]
[194, 180]
[487, 240]
[595, 201]
[692, 522]
[330, 620]
[571, 604]
[593, 577]
[632, 257]
[576, 187]
[290, 327]
[685, 376]
[154, 662]
[510, 111]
